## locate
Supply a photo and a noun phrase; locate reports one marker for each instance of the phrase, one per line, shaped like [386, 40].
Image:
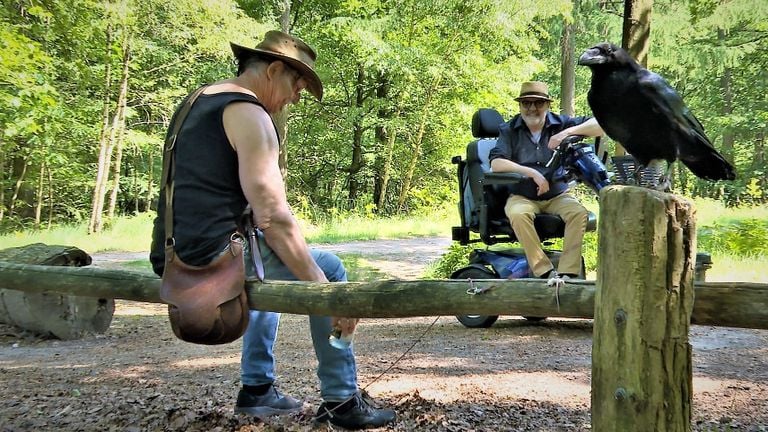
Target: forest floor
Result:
[514, 376]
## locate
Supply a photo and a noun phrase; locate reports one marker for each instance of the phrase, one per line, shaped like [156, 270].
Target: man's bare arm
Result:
[249, 129]
[589, 128]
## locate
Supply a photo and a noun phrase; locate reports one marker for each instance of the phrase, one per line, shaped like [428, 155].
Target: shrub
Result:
[745, 237]
[456, 258]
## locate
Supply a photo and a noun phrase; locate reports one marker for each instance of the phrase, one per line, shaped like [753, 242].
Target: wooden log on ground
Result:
[61, 315]
[717, 303]
[641, 356]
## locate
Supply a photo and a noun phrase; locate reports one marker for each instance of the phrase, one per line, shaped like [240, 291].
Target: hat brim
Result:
[314, 84]
[533, 96]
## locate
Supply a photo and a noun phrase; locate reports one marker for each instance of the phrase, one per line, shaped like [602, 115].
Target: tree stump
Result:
[641, 355]
[62, 316]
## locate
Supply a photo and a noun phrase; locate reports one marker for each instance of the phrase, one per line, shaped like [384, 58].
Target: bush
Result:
[745, 237]
[456, 258]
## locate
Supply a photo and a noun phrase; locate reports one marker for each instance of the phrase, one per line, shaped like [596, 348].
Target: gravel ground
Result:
[514, 376]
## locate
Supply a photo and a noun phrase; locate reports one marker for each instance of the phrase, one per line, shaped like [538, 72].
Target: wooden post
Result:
[641, 357]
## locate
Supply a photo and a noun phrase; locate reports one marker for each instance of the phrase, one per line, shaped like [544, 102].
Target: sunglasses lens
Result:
[530, 103]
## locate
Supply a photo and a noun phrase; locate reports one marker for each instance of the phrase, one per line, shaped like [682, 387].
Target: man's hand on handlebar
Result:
[556, 139]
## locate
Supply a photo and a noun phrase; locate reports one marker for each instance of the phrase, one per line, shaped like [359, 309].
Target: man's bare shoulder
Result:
[248, 125]
[227, 86]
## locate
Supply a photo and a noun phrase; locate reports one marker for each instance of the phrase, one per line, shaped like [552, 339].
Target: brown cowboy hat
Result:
[534, 90]
[291, 50]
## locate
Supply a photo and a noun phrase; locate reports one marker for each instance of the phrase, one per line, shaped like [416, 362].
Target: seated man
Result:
[525, 145]
[226, 158]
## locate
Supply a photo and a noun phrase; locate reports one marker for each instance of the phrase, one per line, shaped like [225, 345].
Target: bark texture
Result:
[641, 355]
[53, 314]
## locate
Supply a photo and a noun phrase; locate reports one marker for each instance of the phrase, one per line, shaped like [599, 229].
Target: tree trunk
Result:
[3, 177]
[417, 142]
[17, 187]
[281, 118]
[102, 163]
[150, 183]
[758, 163]
[63, 316]
[285, 16]
[636, 33]
[641, 356]
[381, 164]
[386, 172]
[116, 172]
[568, 65]
[759, 151]
[726, 84]
[386, 136]
[135, 187]
[50, 198]
[357, 163]
[39, 196]
[119, 132]
[636, 30]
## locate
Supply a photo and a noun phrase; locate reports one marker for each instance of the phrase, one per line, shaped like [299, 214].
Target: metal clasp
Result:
[474, 290]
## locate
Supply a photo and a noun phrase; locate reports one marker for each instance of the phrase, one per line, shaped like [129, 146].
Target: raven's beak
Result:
[592, 56]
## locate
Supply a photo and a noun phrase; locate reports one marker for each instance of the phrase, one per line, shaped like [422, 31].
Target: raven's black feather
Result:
[637, 108]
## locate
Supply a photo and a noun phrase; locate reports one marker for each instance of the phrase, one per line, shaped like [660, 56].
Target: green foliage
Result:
[455, 258]
[744, 238]
[713, 53]
[402, 81]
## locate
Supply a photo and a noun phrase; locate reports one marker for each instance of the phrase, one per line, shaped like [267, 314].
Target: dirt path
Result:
[514, 376]
[401, 258]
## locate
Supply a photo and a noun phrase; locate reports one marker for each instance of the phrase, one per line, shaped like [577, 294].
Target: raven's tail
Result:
[705, 161]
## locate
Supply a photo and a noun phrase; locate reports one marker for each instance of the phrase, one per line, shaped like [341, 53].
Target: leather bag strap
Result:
[169, 161]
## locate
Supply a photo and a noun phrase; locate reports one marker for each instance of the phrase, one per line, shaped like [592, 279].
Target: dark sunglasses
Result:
[539, 103]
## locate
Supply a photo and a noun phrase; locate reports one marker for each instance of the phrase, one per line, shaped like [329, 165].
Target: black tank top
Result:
[208, 200]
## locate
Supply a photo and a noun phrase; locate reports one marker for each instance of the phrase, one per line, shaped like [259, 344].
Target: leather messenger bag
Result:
[206, 304]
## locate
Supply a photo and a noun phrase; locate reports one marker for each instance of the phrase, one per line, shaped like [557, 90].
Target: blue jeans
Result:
[336, 368]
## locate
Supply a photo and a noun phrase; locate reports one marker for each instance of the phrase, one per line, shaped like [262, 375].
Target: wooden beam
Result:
[728, 304]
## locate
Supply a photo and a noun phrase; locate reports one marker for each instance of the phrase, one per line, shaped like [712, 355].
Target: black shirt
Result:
[208, 200]
[516, 143]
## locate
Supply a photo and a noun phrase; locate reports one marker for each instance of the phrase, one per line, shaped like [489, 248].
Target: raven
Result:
[639, 109]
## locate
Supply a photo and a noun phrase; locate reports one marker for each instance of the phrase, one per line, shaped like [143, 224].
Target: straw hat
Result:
[290, 49]
[534, 90]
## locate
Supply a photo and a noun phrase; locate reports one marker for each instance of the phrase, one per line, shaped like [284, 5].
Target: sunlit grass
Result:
[710, 211]
[130, 234]
[358, 268]
[363, 228]
[133, 234]
[728, 268]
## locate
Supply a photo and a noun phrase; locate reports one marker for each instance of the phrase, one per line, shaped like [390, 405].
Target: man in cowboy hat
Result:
[525, 145]
[227, 159]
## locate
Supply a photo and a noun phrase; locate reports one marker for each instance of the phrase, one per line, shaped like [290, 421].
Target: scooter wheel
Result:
[476, 321]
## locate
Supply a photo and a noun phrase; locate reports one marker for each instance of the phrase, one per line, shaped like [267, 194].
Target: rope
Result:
[386, 371]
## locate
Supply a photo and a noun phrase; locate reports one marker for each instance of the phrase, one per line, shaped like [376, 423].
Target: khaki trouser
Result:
[521, 212]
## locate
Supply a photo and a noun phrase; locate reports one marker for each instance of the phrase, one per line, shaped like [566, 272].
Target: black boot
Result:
[355, 413]
[271, 402]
